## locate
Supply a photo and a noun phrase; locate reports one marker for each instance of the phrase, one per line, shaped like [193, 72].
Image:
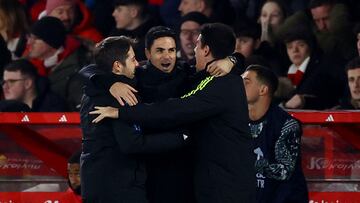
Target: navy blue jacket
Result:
[277, 146]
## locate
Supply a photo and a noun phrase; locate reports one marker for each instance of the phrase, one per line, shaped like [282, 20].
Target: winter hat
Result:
[52, 4]
[196, 17]
[51, 30]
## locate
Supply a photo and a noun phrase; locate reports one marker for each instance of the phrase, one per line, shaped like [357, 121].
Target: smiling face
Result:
[162, 54]
[128, 68]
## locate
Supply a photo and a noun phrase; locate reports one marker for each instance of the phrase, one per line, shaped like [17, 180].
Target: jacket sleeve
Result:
[98, 77]
[201, 103]
[287, 152]
[131, 140]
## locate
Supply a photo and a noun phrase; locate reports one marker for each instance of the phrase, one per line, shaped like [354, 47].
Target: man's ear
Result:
[202, 6]
[264, 90]
[117, 67]
[206, 50]
[134, 11]
[29, 83]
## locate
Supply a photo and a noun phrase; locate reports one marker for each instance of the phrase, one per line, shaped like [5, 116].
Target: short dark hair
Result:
[353, 64]
[158, 32]
[247, 28]
[317, 3]
[142, 4]
[220, 38]
[24, 66]
[112, 49]
[266, 76]
[75, 157]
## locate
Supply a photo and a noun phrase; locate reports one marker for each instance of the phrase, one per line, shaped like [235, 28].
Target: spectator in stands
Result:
[277, 138]
[73, 194]
[111, 149]
[273, 14]
[331, 25]
[249, 44]
[14, 26]
[132, 19]
[353, 79]
[316, 78]
[59, 57]
[22, 83]
[216, 11]
[189, 32]
[75, 16]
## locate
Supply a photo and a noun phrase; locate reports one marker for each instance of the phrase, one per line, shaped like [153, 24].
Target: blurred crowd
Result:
[312, 45]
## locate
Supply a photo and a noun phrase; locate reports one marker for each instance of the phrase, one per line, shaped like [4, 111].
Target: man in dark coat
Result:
[217, 113]
[111, 169]
[22, 83]
[277, 136]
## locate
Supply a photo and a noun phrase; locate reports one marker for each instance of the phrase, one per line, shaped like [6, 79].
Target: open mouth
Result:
[165, 65]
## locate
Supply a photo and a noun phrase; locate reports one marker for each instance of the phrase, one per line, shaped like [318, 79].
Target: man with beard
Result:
[74, 191]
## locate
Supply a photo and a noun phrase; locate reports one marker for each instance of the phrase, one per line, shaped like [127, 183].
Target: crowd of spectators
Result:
[308, 44]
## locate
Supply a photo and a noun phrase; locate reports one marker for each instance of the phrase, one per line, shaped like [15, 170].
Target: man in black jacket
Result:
[277, 138]
[216, 111]
[22, 83]
[111, 169]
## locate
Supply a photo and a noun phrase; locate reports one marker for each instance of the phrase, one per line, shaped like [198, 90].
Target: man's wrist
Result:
[232, 59]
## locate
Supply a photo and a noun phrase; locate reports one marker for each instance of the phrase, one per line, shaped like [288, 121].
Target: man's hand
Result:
[220, 67]
[296, 102]
[123, 92]
[104, 112]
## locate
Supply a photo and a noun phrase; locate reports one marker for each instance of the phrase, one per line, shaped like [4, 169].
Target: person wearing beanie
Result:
[317, 79]
[47, 40]
[58, 56]
[189, 32]
[75, 17]
[51, 31]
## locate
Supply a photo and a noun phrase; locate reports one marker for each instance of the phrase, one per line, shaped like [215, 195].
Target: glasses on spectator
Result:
[193, 33]
[11, 82]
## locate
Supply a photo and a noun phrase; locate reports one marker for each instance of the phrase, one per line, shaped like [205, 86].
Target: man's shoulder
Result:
[231, 80]
[281, 115]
